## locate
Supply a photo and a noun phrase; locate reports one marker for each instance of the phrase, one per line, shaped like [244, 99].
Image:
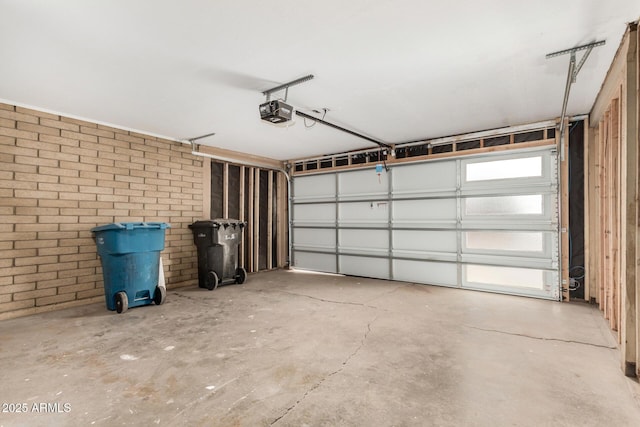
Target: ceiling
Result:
[393, 70]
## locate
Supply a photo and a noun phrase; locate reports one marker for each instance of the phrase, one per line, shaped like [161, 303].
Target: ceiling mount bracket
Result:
[192, 141]
[574, 69]
[286, 86]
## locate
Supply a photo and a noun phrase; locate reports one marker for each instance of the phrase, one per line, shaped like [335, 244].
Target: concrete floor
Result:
[299, 349]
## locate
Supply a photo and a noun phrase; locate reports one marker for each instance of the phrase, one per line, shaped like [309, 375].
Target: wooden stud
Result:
[225, 190]
[608, 212]
[564, 220]
[250, 210]
[614, 187]
[634, 134]
[586, 210]
[243, 217]
[206, 188]
[282, 221]
[602, 211]
[256, 220]
[591, 219]
[629, 233]
[612, 269]
[597, 230]
[270, 222]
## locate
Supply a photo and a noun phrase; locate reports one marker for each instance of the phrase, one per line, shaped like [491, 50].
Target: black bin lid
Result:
[217, 223]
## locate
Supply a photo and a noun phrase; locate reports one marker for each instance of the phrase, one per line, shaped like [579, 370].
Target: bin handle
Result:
[132, 225]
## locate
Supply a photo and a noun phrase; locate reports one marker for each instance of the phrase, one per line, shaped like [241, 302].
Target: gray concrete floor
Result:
[299, 349]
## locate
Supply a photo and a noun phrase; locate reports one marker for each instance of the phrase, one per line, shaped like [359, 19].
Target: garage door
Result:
[486, 222]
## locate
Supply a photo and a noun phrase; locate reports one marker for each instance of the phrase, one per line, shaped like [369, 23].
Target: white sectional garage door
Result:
[486, 222]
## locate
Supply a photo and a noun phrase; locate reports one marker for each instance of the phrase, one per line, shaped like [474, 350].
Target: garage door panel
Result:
[377, 268]
[424, 211]
[538, 224]
[498, 190]
[315, 237]
[364, 213]
[315, 187]
[417, 179]
[362, 184]
[314, 261]
[314, 214]
[425, 255]
[508, 261]
[425, 240]
[426, 272]
[364, 239]
[485, 222]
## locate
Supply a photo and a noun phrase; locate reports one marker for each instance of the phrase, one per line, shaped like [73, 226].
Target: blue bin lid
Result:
[131, 226]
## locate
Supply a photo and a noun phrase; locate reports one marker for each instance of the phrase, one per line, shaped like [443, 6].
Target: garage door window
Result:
[505, 205]
[505, 169]
[505, 241]
[505, 276]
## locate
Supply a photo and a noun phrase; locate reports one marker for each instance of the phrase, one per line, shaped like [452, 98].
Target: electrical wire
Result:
[384, 161]
[314, 122]
[579, 268]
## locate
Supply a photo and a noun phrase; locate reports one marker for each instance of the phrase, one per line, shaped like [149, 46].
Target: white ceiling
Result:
[395, 70]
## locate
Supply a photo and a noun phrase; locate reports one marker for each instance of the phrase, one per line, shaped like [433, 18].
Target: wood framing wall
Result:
[611, 187]
[256, 195]
[474, 143]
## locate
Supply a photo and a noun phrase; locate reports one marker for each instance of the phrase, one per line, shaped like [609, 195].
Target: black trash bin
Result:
[217, 241]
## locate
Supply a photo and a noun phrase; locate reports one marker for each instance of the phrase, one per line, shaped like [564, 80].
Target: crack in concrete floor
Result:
[200, 300]
[337, 371]
[331, 301]
[542, 338]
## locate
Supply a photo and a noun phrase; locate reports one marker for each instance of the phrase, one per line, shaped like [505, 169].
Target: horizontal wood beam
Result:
[395, 161]
[612, 81]
[239, 158]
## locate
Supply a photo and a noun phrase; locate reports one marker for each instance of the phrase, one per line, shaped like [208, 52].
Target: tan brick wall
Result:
[59, 177]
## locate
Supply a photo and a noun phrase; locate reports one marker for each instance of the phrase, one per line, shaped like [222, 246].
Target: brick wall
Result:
[59, 177]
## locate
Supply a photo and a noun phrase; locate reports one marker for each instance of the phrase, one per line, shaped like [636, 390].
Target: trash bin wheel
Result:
[122, 302]
[160, 295]
[241, 275]
[212, 280]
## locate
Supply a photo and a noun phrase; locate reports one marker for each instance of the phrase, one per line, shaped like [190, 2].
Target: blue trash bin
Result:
[130, 257]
